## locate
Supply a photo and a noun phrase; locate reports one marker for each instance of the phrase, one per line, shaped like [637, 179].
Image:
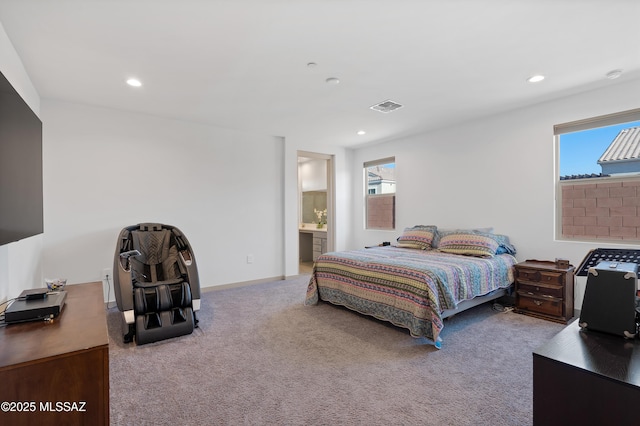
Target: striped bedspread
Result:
[407, 287]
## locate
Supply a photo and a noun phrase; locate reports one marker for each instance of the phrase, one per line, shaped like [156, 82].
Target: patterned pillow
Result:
[418, 237]
[468, 243]
[442, 232]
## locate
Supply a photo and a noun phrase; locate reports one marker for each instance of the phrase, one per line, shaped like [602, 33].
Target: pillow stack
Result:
[481, 242]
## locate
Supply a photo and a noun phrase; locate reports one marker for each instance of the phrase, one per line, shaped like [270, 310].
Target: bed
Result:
[426, 277]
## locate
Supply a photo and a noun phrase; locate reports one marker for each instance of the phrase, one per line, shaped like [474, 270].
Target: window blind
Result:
[601, 121]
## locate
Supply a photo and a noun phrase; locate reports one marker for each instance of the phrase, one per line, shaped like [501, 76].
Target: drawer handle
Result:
[538, 302]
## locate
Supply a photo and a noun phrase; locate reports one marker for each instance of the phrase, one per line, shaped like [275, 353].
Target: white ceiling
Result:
[243, 63]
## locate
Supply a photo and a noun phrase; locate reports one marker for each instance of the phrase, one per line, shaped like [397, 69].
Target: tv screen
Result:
[21, 213]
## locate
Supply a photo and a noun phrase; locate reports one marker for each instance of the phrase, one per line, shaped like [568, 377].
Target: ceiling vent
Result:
[386, 106]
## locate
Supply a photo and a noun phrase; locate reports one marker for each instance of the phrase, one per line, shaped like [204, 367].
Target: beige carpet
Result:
[260, 357]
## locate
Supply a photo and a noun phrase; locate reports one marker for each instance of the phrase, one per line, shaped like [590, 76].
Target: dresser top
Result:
[81, 325]
[543, 264]
[599, 353]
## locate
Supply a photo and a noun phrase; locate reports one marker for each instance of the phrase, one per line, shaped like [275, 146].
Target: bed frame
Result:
[479, 300]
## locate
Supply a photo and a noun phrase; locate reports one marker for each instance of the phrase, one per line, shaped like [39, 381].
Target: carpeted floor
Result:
[260, 357]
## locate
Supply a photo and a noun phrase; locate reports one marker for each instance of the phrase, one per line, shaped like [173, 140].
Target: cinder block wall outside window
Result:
[605, 208]
[381, 212]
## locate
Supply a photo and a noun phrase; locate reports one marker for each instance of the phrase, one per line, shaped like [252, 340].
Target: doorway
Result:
[316, 210]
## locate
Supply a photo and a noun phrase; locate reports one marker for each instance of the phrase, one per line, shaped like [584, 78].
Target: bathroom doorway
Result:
[316, 209]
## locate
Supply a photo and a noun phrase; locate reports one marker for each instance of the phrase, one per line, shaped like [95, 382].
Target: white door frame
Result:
[331, 197]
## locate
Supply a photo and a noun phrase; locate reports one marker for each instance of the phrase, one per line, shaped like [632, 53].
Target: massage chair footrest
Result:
[152, 327]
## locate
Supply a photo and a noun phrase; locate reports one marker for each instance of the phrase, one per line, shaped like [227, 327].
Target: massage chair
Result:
[156, 283]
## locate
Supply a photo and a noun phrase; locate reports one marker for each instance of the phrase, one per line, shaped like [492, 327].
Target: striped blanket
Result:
[407, 287]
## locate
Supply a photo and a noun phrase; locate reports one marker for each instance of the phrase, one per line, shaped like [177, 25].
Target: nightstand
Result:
[544, 290]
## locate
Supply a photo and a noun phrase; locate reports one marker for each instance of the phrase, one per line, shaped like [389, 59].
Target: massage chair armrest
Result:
[123, 286]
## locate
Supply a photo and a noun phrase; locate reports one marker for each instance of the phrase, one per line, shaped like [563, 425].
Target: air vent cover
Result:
[386, 106]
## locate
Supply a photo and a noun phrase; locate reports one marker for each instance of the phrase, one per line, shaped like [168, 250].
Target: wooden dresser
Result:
[58, 372]
[544, 290]
[583, 377]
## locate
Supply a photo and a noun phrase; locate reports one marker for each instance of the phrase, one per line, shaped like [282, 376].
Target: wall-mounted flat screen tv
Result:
[21, 214]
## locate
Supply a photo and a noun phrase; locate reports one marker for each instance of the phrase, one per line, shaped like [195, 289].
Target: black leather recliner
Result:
[156, 283]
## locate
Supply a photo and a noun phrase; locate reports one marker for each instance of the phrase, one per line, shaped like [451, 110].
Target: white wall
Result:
[313, 175]
[107, 169]
[497, 171]
[20, 266]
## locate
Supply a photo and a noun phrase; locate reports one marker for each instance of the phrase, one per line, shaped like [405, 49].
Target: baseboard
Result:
[241, 284]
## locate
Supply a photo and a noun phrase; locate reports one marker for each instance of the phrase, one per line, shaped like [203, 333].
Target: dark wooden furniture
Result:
[51, 366]
[583, 377]
[544, 290]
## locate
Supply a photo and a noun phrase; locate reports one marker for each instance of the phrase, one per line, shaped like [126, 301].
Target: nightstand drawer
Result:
[533, 275]
[541, 290]
[542, 305]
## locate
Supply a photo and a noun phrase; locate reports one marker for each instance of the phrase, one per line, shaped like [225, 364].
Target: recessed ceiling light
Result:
[134, 82]
[332, 80]
[612, 75]
[312, 64]
[362, 132]
[535, 78]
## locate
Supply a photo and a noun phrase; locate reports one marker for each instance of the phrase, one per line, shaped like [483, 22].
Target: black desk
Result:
[586, 378]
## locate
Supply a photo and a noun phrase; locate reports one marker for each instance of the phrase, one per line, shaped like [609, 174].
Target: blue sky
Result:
[580, 151]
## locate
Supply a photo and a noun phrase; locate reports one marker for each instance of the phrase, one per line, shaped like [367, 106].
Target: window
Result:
[380, 194]
[599, 178]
